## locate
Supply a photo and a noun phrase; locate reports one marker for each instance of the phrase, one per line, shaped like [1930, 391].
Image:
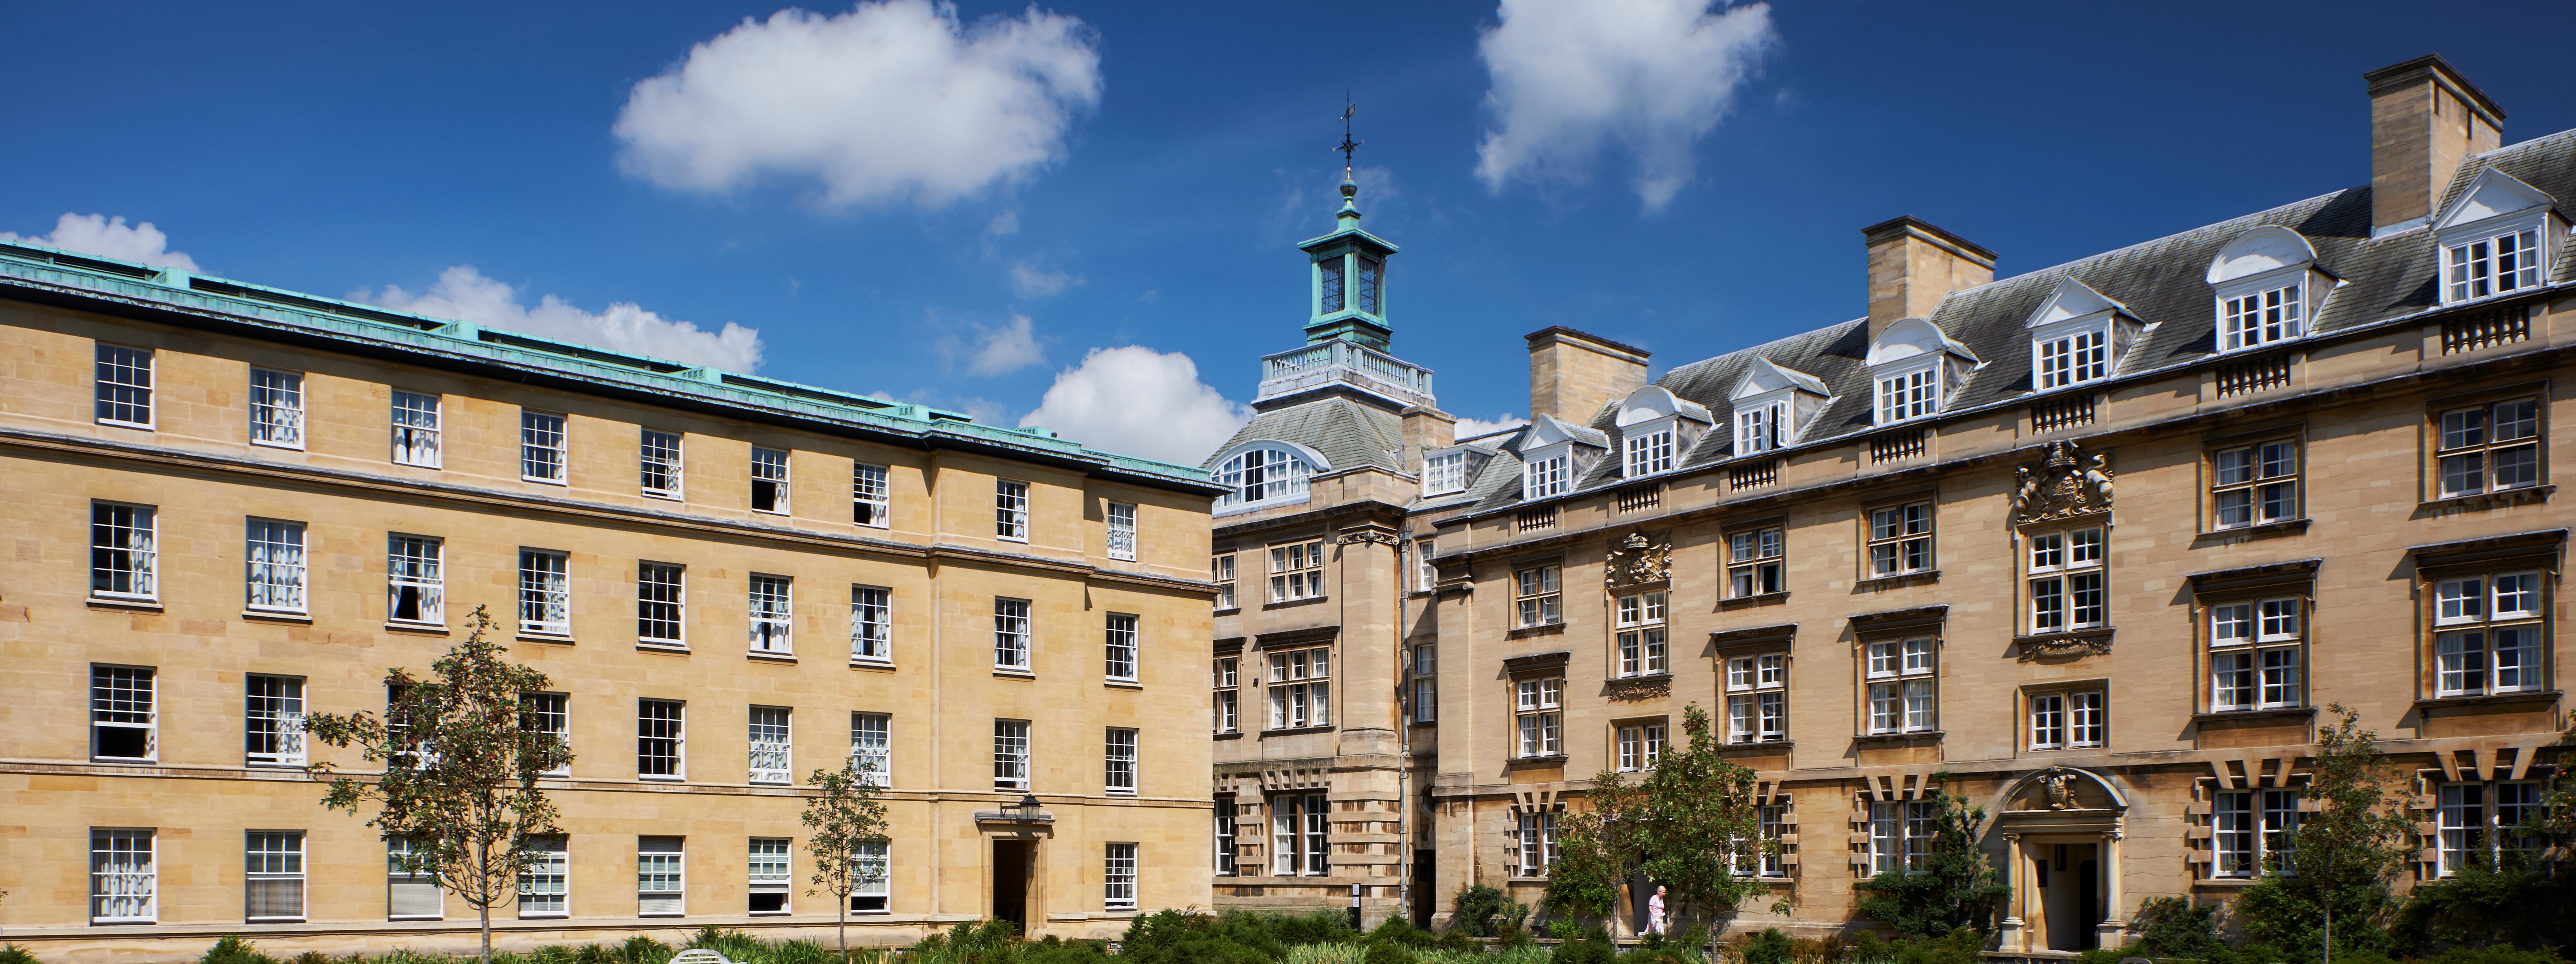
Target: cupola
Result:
[1350, 295]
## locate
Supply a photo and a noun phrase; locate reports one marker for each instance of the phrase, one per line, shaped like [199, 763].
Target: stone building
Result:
[232, 506]
[2099, 540]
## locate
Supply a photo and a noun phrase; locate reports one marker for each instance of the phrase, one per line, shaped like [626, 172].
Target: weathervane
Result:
[1347, 146]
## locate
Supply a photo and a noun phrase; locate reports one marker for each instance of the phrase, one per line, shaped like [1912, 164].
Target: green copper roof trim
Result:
[1350, 232]
[28, 266]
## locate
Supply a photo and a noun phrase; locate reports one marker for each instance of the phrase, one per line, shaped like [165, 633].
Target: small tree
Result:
[1690, 824]
[1955, 887]
[2336, 892]
[848, 824]
[461, 763]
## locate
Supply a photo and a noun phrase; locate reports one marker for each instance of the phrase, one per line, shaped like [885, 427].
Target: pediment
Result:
[2260, 250]
[2071, 299]
[2494, 194]
[1911, 337]
[2065, 789]
[1763, 378]
[1548, 431]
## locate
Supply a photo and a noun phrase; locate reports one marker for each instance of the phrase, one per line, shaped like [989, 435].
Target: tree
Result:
[1954, 887]
[849, 834]
[2336, 890]
[461, 762]
[1691, 824]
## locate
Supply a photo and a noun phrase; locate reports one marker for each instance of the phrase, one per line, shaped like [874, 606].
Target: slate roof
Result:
[1349, 433]
[2163, 282]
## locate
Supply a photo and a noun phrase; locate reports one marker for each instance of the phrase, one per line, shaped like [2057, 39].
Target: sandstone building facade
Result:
[2099, 540]
[232, 506]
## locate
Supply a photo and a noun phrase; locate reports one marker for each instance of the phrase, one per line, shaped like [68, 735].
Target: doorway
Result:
[1011, 860]
[1425, 902]
[2069, 878]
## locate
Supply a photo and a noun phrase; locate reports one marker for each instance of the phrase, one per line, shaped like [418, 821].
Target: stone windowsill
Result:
[426, 629]
[759, 656]
[2274, 714]
[1229, 611]
[1757, 599]
[883, 664]
[2496, 699]
[135, 603]
[1013, 672]
[278, 616]
[1755, 748]
[1122, 684]
[1550, 760]
[1541, 629]
[1296, 730]
[1900, 580]
[1917, 736]
[2225, 883]
[2488, 500]
[2263, 530]
[1236, 735]
[680, 649]
[525, 636]
[1290, 604]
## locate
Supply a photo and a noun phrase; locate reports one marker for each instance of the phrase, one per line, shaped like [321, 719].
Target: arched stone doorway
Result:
[2061, 829]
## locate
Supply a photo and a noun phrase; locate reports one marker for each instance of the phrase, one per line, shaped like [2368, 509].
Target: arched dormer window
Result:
[1655, 428]
[2268, 287]
[2077, 335]
[1263, 473]
[1772, 405]
[1913, 368]
[2501, 236]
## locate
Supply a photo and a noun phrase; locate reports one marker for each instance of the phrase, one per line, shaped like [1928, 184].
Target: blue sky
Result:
[1136, 174]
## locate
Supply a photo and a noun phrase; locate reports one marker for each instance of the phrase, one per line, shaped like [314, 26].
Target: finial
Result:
[1350, 186]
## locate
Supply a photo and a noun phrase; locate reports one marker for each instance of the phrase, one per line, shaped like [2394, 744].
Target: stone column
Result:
[2012, 936]
[2110, 932]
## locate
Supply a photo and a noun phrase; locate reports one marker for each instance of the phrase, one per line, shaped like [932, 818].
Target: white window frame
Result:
[1444, 473]
[2256, 647]
[1011, 755]
[2471, 821]
[414, 423]
[1538, 716]
[545, 448]
[1900, 539]
[1538, 596]
[1301, 688]
[2251, 831]
[1226, 831]
[1297, 571]
[1901, 834]
[872, 746]
[1263, 475]
[1010, 510]
[1903, 677]
[1300, 835]
[274, 858]
[123, 382]
[1120, 530]
[275, 552]
[771, 749]
[1548, 472]
[2070, 352]
[2255, 483]
[661, 457]
[770, 466]
[1640, 635]
[545, 889]
[1011, 640]
[1119, 648]
[1757, 697]
[2057, 566]
[1118, 762]
[772, 602]
[1640, 746]
[875, 878]
[1757, 561]
[1221, 572]
[1535, 851]
[407, 890]
[2470, 627]
[1649, 448]
[125, 876]
[769, 867]
[123, 540]
[2476, 267]
[1227, 703]
[661, 722]
[653, 611]
[273, 720]
[545, 593]
[1765, 422]
[2471, 440]
[1426, 576]
[2066, 719]
[871, 496]
[276, 408]
[661, 876]
[415, 566]
[124, 698]
[2263, 309]
[1422, 664]
[1909, 392]
[549, 713]
[871, 624]
[1118, 877]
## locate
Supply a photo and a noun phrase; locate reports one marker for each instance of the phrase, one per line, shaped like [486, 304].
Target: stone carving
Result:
[2060, 787]
[1373, 534]
[1638, 560]
[2066, 485]
[1637, 690]
[2079, 644]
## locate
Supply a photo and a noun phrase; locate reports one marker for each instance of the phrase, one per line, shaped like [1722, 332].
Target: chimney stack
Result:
[1426, 428]
[2424, 120]
[1912, 264]
[1573, 374]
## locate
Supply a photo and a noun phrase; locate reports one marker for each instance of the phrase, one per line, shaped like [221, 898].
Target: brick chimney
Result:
[1912, 264]
[2424, 120]
[1573, 374]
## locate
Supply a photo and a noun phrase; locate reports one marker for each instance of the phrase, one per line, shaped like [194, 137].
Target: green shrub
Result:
[594, 954]
[640, 949]
[2496, 954]
[231, 949]
[1592, 948]
[1387, 952]
[13, 954]
[2103, 955]
[1457, 942]
[1399, 932]
[1327, 954]
[1474, 908]
[313, 957]
[1769, 947]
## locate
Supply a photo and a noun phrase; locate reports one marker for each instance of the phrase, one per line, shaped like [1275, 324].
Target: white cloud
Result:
[1031, 280]
[109, 237]
[892, 101]
[1137, 401]
[1472, 427]
[1571, 77]
[464, 294]
[992, 351]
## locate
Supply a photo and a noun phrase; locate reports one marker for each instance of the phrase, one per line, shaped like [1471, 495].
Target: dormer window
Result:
[2076, 336]
[1328, 275]
[1772, 405]
[1371, 270]
[2495, 265]
[1649, 452]
[2497, 238]
[1656, 428]
[2268, 288]
[1547, 475]
[1913, 368]
[1263, 473]
[1444, 474]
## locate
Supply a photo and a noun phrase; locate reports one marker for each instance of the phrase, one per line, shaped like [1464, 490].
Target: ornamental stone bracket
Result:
[2064, 485]
[1638, 560]
[1368, 532]
[1637, 689]
[2078, 644]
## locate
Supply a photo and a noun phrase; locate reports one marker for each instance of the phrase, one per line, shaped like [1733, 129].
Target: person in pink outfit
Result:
[1655, 911]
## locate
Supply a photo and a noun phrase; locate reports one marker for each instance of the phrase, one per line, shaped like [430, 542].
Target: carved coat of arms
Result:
[2065, 485]
[1638, 559]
